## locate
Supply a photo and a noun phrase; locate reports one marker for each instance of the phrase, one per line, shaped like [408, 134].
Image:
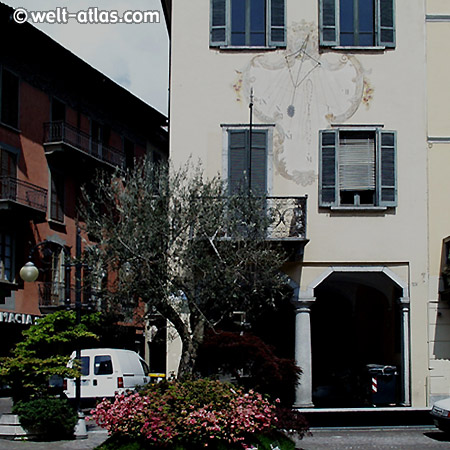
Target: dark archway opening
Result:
[355, 322]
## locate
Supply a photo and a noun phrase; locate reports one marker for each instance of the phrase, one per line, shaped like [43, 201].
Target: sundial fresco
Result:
[301, 91]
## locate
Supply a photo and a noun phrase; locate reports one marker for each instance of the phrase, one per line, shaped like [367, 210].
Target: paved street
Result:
[95, 438]
[371, 439]
[322, 439]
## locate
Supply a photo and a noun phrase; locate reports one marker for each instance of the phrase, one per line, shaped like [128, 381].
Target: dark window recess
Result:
[58, 111]
[10, 99]
[8, 166]
[357, 23]
[57, 197]
[248, 23]
[247, 169]
[6, 257]
[128, 148]
[8, 170]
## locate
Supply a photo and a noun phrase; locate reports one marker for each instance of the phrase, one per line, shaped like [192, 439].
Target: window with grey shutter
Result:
[387, 168]
[328, 160]
[356, 23]
[357, 168]
[237, 165]
[248, 23]
[386, 23]
[258, 164]
[329, 25]
[247, 168]
[277, 12]
[218, 22]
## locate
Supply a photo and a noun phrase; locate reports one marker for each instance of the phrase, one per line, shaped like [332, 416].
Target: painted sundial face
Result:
[302, 91]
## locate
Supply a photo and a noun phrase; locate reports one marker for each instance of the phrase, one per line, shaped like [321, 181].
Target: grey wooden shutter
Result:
[237, 160]
[277, 23]
[218, 28]
[387, 174]
[328, 163]
[258, 163]
[356, 162]
[386, 23]
[328, 23]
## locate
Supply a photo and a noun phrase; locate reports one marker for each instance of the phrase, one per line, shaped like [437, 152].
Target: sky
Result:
[136, 56]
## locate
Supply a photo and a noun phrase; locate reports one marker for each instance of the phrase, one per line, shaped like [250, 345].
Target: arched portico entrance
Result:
[348, 318]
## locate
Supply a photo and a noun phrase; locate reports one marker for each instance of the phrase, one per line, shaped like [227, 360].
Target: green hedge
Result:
[48, 418]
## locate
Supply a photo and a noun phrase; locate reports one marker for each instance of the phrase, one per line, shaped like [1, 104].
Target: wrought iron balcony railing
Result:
[62, 132]
[23, 192]
[290, 218]
[54, 295]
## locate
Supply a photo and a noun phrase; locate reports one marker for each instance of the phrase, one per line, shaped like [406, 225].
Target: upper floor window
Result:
[357, 23]
[357, 168]
[58, 111]
[247, 169]
[57, 194]
[248, 23]
[9, 113]
[6, 257]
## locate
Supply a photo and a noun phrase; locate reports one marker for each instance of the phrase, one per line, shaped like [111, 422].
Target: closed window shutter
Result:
[258, 162]
[329, 24]
[277, 21]
[356, 162]
[218, 31]
[238, 163]
[387, 177]
[328, 160]
[57, 197]
[386, 23]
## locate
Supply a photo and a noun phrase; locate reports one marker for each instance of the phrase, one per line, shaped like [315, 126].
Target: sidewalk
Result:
[95, 438]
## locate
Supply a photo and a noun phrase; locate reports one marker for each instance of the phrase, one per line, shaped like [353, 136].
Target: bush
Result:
[190, 414]
[49, 418]
[249, 361]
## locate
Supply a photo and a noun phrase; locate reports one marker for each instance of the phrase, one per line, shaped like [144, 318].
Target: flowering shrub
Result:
[195, 412]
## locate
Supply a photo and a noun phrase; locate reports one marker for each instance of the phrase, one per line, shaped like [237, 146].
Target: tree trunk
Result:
[188, 357]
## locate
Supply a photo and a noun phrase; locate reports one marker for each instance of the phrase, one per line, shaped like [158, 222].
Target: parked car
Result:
[106, 372]
[441, 414]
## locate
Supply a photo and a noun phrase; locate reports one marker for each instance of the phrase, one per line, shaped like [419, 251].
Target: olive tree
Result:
[181, 244]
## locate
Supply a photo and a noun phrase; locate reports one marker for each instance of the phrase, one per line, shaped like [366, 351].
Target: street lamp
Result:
[29, 273]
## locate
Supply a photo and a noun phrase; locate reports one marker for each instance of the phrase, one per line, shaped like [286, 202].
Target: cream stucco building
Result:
[338, 119]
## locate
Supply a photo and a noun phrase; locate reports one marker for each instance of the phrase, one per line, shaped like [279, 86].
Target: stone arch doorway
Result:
[347, 318]
[355, 321]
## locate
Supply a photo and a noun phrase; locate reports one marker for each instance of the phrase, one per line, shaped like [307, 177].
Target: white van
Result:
[106, 372]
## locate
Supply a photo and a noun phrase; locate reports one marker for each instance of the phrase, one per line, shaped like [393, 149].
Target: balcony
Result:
[61, 137]
[287, 228]
[22, 198]
[290, 218]
[59, 295]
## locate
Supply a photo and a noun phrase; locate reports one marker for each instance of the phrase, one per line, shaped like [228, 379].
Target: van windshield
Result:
[103, 365]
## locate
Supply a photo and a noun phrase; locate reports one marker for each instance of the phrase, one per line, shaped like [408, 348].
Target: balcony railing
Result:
[23, 192]
[62, 132]
[290, 218]
[54, 295]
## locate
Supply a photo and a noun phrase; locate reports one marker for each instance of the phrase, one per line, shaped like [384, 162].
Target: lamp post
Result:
[29, 273]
